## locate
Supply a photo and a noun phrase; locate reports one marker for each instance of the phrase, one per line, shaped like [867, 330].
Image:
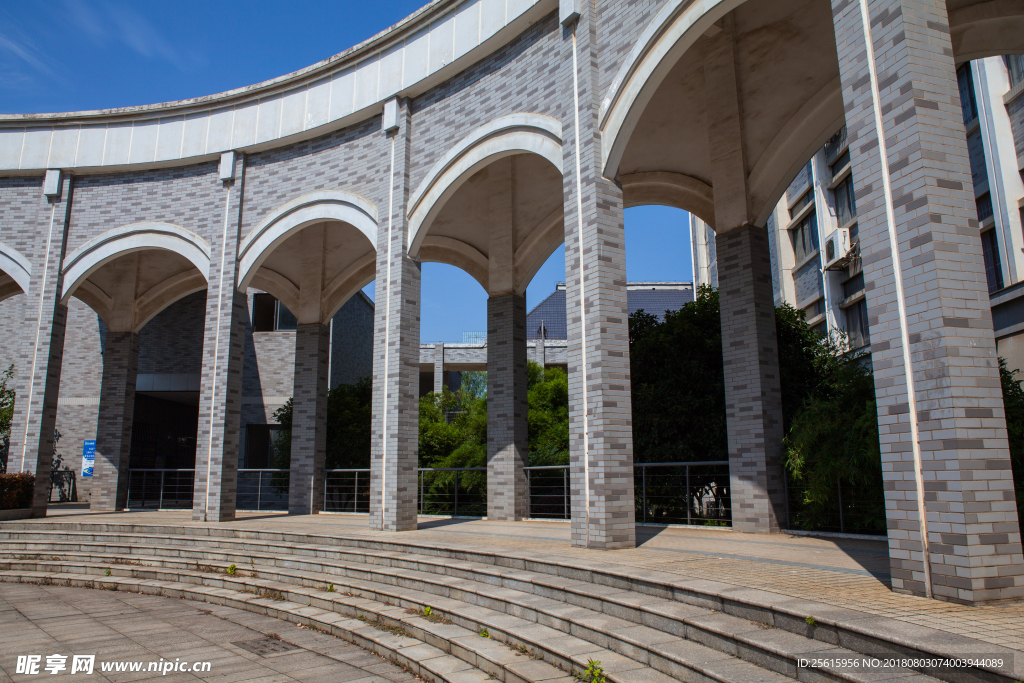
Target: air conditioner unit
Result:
[837, 247]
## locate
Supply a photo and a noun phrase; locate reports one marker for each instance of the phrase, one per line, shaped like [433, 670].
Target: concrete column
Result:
[600, 409]
[952, 518]
[439, 378]
[507, 428]
[42, 346]
[753, 397]
[749, 346]
[309, 419]
[396, 349]
[114, 426]
[220, 387]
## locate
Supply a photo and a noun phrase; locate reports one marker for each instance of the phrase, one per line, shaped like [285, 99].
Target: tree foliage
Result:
[349, 408]
[1013, 402]
[6, 414]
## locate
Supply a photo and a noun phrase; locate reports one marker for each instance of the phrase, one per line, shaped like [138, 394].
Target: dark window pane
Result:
[966, 83]
[840, 163]
[857, 324]
[853, 285]
[1015, 65]
[263, 313]
[285, 319]
[984, 206]
[993, 266]
[805, 237]
[846, 207]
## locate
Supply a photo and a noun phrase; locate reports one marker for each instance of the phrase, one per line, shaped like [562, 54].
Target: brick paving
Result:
[846, 572]
[118, 626]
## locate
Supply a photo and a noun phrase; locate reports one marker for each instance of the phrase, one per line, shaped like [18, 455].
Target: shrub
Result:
[16, 491]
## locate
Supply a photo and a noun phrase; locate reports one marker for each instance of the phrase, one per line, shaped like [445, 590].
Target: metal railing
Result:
[347, 490]
[63, 482]
[683, 493]
[849, 512]
[262, 490]
[549, 491]
[442, 494]
[161, 488]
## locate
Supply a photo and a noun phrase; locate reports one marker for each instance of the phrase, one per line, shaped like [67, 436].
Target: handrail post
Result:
[565, 493]
[422, 475]
[456, 512]
[643, 501]
[355, 494]
[160, 505]
[689, 506]
[259, 490]
[839, 490]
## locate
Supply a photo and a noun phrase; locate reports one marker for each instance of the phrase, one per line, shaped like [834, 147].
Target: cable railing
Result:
[262, 490]
[164, 489]
[694, 493]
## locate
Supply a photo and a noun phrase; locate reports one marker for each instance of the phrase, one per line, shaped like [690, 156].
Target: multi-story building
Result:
[813, 231]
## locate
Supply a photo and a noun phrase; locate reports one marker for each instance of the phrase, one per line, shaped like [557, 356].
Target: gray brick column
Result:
[309, 419]
[750, 356]
[220, 387]
[753, 397]
[114, 423]
[439, 378]
[507, 428]
[41, 347]
[396, 349]
[942, 426]
[600, 409]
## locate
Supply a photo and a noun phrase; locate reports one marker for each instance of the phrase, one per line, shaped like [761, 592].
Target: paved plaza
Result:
[843, 572]
[126, 627]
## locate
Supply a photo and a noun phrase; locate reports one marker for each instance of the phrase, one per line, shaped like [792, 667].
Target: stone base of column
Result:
[507, 428]
[309, 419]
[753, 397]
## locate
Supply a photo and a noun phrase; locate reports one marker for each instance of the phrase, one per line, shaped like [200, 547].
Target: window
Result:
[993, 267]
[857, 324]
[1015, 66]
[270, 315]
[260, 449]
[846, 204]
[853, 285]
[805, 237]
[814, 310]
[966, 83]
[984, 206]
[804, 200]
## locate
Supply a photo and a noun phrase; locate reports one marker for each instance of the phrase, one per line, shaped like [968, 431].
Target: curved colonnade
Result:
[484, 134]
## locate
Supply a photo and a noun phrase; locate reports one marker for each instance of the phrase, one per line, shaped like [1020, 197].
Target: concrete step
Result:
[644, 597]
[729, 636]
[436, 652]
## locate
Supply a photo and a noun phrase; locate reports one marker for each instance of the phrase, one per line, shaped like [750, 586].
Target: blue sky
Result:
[73, 55]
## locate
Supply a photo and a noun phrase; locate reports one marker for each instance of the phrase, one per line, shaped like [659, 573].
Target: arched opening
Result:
[492, 207]
[309, 354]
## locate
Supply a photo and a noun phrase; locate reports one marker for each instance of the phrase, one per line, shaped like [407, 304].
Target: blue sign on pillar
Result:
[88, 457]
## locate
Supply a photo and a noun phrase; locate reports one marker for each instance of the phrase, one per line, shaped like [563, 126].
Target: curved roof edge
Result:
[424, 49]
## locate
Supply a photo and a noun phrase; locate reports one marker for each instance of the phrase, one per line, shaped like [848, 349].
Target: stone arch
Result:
[293, 216]
[673, 31]
[505, 136]
[987, 29]
[541, 243]
[343, 286]
[669, 189]
[129, 239]
[15, 272]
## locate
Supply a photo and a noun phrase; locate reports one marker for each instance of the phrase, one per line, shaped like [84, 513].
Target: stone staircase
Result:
[491, 616]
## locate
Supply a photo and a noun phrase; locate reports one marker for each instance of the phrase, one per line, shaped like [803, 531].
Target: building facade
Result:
[484, 134]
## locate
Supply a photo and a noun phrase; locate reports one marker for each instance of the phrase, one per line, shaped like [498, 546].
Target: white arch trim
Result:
[289, 218]
[15, 265]
[126, 239]
[676, 27]
[502, 137]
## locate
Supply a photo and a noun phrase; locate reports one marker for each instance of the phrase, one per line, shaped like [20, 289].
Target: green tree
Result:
[1013, 402]
[349, 408]
[6, 414]
[547, 415]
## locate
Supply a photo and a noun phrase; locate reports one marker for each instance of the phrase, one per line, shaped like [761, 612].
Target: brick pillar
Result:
[753, 397]
[941, 424]
[309, 419]
[600, 409]
[114, 425]
[396, 349]
[41, 348]
[507, 428]
[439, 378]
[220, 387]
